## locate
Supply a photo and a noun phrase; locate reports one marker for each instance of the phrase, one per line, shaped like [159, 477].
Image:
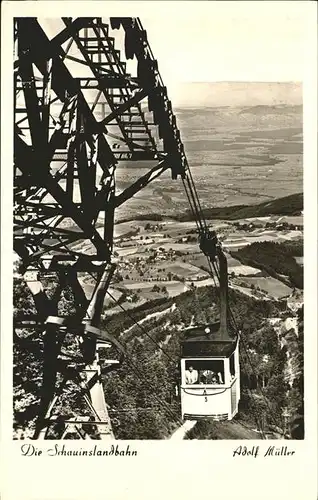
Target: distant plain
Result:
[237, 155]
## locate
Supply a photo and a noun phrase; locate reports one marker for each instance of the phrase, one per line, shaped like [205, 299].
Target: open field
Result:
[124, 228]
[182, 269]
[166, 254]
[153, 265]
[244, 270]
[297, 220]
[124, 252]
[272, 286]
[173, 288]
[249, 292]
[180, 247]
[237, 241]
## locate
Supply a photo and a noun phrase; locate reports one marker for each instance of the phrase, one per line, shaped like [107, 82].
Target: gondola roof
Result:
[206, 340]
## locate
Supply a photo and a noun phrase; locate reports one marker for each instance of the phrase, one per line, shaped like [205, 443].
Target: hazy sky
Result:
[197, 41]
[210, 43]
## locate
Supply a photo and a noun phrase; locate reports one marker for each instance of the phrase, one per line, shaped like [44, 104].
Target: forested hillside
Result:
[288, 205]
[144, 408]
[276, 259]
[141, 394]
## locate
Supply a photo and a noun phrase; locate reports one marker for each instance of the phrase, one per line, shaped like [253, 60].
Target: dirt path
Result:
[181, 431]
[151, 316]
[234, 430]
[219, 430]
[246, 291]
[226, 430]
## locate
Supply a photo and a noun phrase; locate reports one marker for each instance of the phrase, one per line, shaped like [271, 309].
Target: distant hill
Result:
[288, 205]
[245, 94]
[211, 120]
[280, 109]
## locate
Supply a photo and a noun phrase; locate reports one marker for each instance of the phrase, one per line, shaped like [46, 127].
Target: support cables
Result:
[242, 341]
[140, 327]
[197, 213]
[138, 371]
[163, 403]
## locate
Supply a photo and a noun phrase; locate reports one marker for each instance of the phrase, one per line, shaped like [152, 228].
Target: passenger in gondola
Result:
[214, 379]
[207, 374]
[219, 378]
[211, 376]
[191, 375]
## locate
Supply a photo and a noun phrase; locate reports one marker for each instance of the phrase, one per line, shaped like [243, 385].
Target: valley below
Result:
[247, 167]
[163, 259]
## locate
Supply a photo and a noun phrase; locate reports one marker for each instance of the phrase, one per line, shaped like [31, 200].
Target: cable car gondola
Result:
[210, 374]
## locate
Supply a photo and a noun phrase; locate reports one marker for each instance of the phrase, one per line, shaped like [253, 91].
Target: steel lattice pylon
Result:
[78, 115]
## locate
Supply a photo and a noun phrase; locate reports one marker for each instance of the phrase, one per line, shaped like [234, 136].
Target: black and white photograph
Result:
[158, 250]
[158, 235]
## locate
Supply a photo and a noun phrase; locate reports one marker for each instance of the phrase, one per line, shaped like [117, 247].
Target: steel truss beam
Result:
[65, 198]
